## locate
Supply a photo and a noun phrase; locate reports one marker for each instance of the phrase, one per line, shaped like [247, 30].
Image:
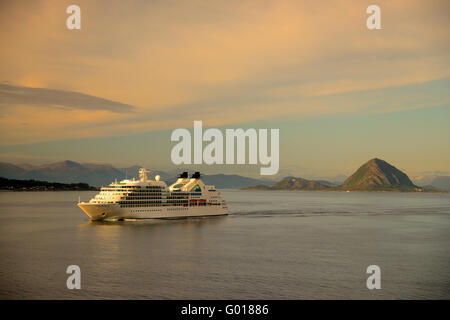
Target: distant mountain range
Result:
[63, 172]
[293, 183]
[433, 182]
[374, 175]
[440, 182]
[103, 174]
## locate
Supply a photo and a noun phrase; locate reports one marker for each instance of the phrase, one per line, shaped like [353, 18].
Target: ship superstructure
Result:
[146, 198]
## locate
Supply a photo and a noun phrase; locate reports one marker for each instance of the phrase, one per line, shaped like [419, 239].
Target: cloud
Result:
[220, 62]
[11, 95]
[436, 172]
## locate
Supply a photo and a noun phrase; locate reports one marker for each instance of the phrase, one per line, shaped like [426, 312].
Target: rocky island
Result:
[374, 175]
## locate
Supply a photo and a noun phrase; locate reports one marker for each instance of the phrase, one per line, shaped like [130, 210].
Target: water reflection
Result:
[261, 251]
[153, 223]
[165, 246]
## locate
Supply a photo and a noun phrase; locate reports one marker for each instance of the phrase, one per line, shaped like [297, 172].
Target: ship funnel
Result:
[184, 175]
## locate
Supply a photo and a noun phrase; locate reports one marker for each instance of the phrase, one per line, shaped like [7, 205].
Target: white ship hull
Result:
[115, 212]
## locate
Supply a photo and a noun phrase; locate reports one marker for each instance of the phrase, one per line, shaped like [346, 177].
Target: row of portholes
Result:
[146, 210]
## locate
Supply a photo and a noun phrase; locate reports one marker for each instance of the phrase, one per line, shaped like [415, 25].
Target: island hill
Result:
[374, 175]
[36, 185]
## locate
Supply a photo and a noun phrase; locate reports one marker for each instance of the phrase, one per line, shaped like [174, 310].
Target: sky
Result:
[340, 94]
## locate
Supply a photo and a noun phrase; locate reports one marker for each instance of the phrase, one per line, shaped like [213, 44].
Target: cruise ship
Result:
[151, 199]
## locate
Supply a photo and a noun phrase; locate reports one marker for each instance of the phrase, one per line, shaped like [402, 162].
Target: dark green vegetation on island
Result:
[374, 175]
[35, 185]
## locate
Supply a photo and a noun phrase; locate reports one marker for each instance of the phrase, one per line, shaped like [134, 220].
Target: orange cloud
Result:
[223, 61]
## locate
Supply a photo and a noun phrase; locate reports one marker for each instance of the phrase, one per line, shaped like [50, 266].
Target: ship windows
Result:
[196, 189]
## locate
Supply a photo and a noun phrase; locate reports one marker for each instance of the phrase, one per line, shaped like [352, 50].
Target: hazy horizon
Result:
[422, 178]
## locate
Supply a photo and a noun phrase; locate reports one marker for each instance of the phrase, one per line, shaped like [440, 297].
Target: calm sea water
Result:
[274, 245]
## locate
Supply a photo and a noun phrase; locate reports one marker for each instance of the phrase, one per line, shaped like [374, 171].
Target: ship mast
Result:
[143, 175]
